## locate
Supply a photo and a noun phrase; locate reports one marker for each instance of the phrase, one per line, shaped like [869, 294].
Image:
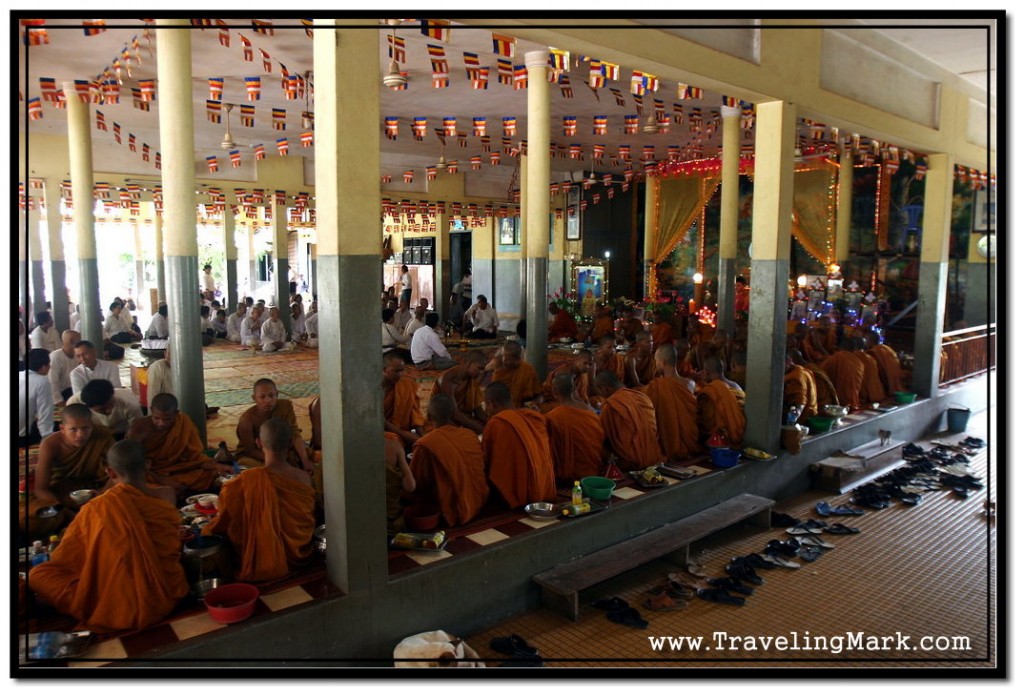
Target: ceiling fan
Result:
[228, 143]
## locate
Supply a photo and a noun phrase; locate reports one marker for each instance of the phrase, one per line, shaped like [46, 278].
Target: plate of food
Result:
[430, 542]
[757, 455]
[189, 511]
[676, 472]
[587, 507]
[649, 477]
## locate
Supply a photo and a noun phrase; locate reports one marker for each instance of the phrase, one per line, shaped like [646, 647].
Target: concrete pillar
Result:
[253, 262]
[769, 277]
[80, 158]
[58, 270]
[312, 270]
[140, 263]
[345, 62]
[442, 265]
[931, 284]
[161, 269]
[535, 233]
[174, 75]
[23, 272]
[844, 206]
[35, 255]
[524, 197]
[729, 223]
[652, 186]
[230, 259]
[279, 215]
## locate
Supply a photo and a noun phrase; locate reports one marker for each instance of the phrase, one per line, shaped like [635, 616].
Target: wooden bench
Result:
[561, 585]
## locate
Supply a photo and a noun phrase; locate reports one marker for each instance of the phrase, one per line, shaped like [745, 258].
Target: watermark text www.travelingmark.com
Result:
[806, 642]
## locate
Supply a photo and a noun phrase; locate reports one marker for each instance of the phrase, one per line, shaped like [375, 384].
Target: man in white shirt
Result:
[312, 326]
[402, 315]
[415, 323]
[44, 335]
[273, 337]
[35, 400]
[118, 325]
[251, 329]
[205, 325]
[235, 323]
[390, 334]
[298, 323]
[115, 409]
[484, 319]
[406, 282]
[209, 285]
[158, 376]
[428, 353]
[62, 362]
[158, 326]
[91, 367]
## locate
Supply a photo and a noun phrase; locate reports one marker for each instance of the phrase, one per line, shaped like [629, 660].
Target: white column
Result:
[729, 222]
[844, 206]
[535, 234]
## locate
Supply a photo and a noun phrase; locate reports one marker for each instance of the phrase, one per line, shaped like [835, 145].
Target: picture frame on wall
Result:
[572, 220]
[506, 231]
[590, 284]
[985, 210]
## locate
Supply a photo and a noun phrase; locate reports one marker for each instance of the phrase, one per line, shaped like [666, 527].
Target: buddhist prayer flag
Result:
[62, 102]
[600, 125]
[419, 127]
[508, 124]
[453, 167]
[479, 126]
[639, 101]
[117, 132]
[563, 83]
[440, 80]
[505, 71]
[101, 121]
[559, 60]
[148, 89]
[630, 124]
[308, 25]
[569, 125]
[278, 117]
[260, 26]
[619, 100]
[131, 142]
[673, 152]
[391, 127]
[259, 151]
[730, 101]
[145, 152]
[596, 77]
[211, 163]
[575, 151]
[48, 87]
[506, 145]
[279, 197]
[216, 88]
[678, 113]
[920, 170]
[475, 161]
[35, 34]
[696, 120]
[111, 92]
[495, 158]
[247, 115]
[408, 176]
[624, 153]
[306, 139]
[641, 83]
[519, 77]
[449, 125]
[213, 109]
[396, 48]
[92, 27]
[438, 29]
[224, 37]
[282, 146]
[472, 61]
[659, 108]
[268, 64]
[648, 152]
[598, 153]
[504, 45]
[431, 173]
[246, 47]
[689, 92]
[485, 142]
[480, 80]
[35, 109]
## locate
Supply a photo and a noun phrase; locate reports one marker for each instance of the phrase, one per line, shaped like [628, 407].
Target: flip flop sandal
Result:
[754, 560]
[673, 589]
[809, 554]
[611, 604]
[801, 530]
[720, 596]
[731, 585]
[824, 509]
[683, 581]
[663, 602]
[841, 529]
[743, 572]
[782, 548]
[846, 510]
[627, 617]
[780, 561]
[815, 542]
[781, 519]
[910, 498]
[513, 645]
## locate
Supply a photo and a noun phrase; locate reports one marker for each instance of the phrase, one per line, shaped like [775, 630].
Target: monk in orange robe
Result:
[71, 459]
[402, 414]
[581, 370]
[675, 406]
[639, 362]
[173, 448]
[448, 463]
[629, 422]
[562, 326]
[517, 452]
[628, 325]
[720, 405]
[604, 323]
[518, 375]
[661, 331]
[824, 390]
[462, 384]
[809, 343]
[398, 479]
[267, 513]
[798, 389]
[847, 374]
[575, 433]
[118, 564]
[871, 388]
[606, 358]
[889, 366]
[268, 405]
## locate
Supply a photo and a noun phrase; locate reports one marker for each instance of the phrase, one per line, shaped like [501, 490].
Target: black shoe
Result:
[731, 585]
[781, 519]
[782, 548]
[754, 561]
[744, 572]
[720, 596]
[513, 645]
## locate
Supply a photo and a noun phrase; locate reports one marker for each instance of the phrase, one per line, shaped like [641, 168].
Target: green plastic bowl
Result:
[820, 424]
[597, 487]
[905, 397]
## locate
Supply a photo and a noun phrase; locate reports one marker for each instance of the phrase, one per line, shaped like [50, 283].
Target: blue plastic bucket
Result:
[956, 418]
[724, 457]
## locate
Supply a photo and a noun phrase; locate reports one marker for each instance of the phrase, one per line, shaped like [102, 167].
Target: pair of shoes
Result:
[803, 528]
[664, 602]
[627, 617]
[731, 585]
[754, 561]
[779, 561]
[786, 548]
[838, 528]
[610, 604]
[815, 542]
[513, 645]
[809, 553]
[684, 580]
[781, 519]
[742, 571]
[720, 596]
[673, 589]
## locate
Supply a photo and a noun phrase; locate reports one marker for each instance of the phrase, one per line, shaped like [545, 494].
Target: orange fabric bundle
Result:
[847, 375]
[563, 326]
[576, 438]
[719, 408]
[468, 396]
[402, 405]
[448, 464]
[675, 408]
[631, 428]
[661, 333]
[889, 367]
[644, 366]
[269, 520]
[518, 457]
[117, 567]
[871, 388]
[522, 382]
[178, 453]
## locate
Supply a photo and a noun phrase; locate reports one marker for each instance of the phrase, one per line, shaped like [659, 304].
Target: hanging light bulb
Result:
[651, 127]
[698, 278]
[394, 79]
[442, 163]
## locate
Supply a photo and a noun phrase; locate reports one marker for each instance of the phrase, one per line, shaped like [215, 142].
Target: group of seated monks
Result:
[118, 565]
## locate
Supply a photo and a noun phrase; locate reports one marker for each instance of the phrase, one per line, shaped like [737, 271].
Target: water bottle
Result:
[577, 494]
[574, 510]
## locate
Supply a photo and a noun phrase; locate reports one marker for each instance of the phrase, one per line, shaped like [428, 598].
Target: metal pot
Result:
[320, 538]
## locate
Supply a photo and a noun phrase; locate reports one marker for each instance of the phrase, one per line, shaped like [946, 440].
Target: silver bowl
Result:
[320, 537]
[82, 496]
[836, 411]
[200, 588]
[543, 511]
[203, 546]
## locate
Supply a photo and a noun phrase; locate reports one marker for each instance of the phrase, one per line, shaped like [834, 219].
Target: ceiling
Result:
[71, 54]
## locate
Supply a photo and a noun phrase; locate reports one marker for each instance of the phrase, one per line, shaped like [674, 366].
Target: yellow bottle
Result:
[577, 494]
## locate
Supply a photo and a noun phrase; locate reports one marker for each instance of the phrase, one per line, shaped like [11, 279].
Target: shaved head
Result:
[607, 381]
[498, 394]
[476, 357]
[128, 459]
[76, 412]
[276, 436]
[563, 385]
[666, 353]
[165, 403]
[441, 409]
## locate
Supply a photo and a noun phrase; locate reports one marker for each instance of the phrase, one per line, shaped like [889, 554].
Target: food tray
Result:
[638, 477]
[439, 549]
[769, 458]
[683, 474]
[595, 506]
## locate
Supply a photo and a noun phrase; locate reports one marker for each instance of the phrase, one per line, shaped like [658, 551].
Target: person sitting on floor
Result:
[298, 319]
[390, 334]
[268, 405]
[62, 362]
[402, 316]
[629, 422]
[426, 350]
[234, 323]
[174, 450]
[575, 433]
[414, 324]
[118, 325]
[312, 326]
[90, 367]
[448, 465]
[118, 564]
[846, 373]
[604, 323]
[720, 406]
[581, 369]
[402, 415]
[871, 389]
[267, 512]
[462, 384]
[607, 358]
[661, 330]
[638, 365]
[517, 452]
[220, 324]
[158, 326]
[73, 458]
[35, 399]
[798, 390]
[483, 318]
[273, 336]
[889, 367]
[250, 329]
[44, 335]
[114, 409]
[562, 325]
[628, 325]
[518, 375]
[825, 391]
[675, 406]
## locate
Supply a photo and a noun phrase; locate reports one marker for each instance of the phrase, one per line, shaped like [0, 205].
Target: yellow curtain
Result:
[679, 201]
[814, 211]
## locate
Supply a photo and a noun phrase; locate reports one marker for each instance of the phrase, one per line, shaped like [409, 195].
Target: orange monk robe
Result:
[468, 396]
[811, 347]
[402, 405]
[661, 333]
[675, 408]
[563, 326]
[871, 389]
[847, 375]
[631, 428]
[581, 387]
[268, 518]
[614, 364]
[518, 457]
[720, 408]
[888, 367]
[576, 439]
[178, 453]
[118, 564]
[522, 382]
[644, 366]
[824, 390]
[284, 410]
[798, 389]
[603, 326]
[393, 491]
[84, 468]
[448, 465]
